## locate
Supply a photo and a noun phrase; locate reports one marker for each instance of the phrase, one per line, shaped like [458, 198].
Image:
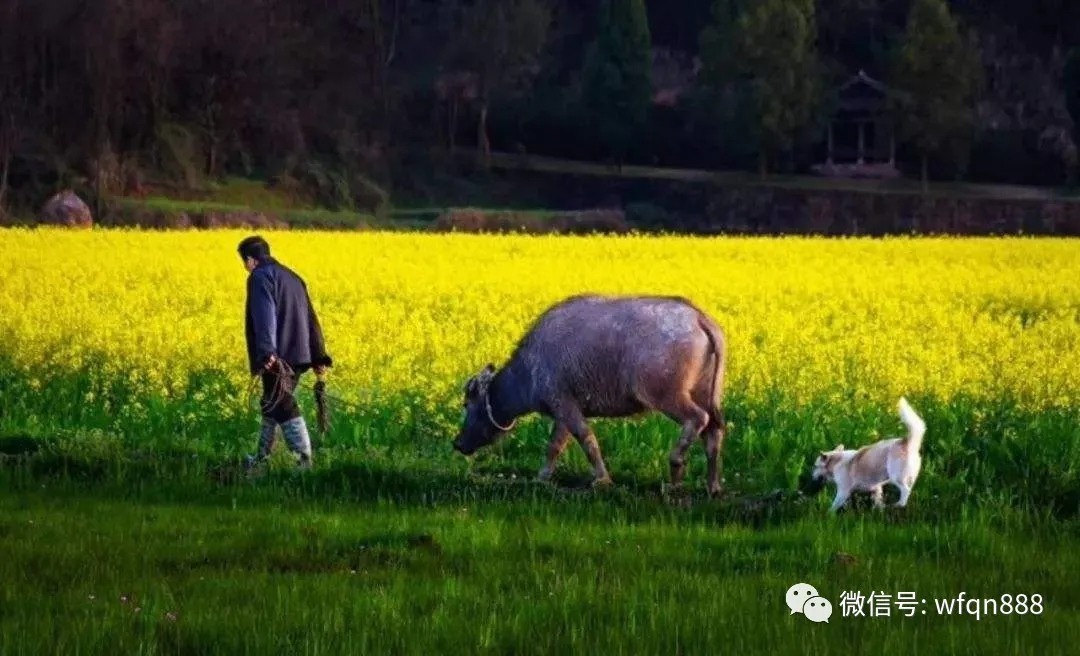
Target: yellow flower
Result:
[418, 314]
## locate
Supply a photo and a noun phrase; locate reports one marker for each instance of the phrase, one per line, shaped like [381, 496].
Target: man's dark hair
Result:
[254, 247]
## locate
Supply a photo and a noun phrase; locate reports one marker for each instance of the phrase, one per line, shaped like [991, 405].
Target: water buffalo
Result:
[602, 356]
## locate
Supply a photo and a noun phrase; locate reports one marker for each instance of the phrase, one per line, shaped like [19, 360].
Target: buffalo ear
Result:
[839, 447]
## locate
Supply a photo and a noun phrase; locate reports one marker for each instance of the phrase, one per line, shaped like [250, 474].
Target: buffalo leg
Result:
[596, 459]
[714, 443]
[560, 438]
[693, 420]
[713, 438]
[575, 421]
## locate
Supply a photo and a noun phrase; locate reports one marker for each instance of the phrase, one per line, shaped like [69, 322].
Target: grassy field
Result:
[299, 218]
[127, 526]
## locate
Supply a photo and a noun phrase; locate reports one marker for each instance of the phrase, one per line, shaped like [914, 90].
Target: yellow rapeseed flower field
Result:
[419, 313]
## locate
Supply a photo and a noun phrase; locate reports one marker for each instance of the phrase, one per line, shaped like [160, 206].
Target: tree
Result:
[718, 44]
[10, 93]
[850, 30]
[937, 72]
[618, 75]
[721, 97]
[777, 56]
[501, 42]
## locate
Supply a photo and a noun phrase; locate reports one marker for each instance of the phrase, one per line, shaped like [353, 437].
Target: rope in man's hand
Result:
[281, 388]
[281, 383]
[321, 413]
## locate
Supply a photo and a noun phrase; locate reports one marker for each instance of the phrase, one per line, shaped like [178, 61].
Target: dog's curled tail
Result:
[915, 425]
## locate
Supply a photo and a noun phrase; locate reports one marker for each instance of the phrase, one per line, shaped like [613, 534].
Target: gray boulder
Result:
[66, 209]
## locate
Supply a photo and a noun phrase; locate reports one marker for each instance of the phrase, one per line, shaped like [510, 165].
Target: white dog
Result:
[895, 461]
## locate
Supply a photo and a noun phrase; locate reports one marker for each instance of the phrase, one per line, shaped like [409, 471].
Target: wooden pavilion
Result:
[861, 140]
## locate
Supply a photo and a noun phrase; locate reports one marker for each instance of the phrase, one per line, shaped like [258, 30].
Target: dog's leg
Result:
[905, 492]
[879, 498]
[841, 498]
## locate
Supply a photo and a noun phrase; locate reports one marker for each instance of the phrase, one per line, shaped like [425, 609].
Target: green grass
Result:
[328, 562]
[237, 192]
[166, 204]
[241, 195]
[296, 217]
[253, 193]
[304, 217]
[394, 544]
[301, 217]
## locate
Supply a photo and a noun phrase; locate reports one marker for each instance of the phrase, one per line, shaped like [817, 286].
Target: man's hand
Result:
[269, 362]
[320, 372]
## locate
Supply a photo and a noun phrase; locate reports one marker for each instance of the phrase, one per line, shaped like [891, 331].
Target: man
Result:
[284, 340]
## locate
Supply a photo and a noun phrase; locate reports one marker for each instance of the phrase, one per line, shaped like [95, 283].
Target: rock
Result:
[66, 209]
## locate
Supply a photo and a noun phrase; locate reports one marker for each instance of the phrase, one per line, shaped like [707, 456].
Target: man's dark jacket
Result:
[281, 321]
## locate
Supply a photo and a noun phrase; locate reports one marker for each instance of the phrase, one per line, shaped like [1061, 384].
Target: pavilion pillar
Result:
[862, 142]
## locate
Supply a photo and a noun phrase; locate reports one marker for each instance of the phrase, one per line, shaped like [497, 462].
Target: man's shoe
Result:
[251, 462]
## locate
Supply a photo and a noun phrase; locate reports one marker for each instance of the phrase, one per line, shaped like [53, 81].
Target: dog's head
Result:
[825, 465]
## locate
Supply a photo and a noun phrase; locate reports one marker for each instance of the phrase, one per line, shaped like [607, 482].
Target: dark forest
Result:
[338, 95]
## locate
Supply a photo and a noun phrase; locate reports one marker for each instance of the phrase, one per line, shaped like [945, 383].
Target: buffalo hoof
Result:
[603, 482]
[678, 472]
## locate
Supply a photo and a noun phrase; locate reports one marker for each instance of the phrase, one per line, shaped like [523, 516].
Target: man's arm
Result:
[263, 309]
